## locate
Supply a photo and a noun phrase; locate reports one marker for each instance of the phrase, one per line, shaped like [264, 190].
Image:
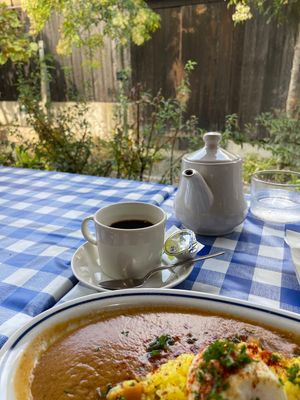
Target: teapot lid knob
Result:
[212, 139]
[211, 152]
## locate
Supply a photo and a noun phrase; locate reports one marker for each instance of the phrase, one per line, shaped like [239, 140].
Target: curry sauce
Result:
[80, 360]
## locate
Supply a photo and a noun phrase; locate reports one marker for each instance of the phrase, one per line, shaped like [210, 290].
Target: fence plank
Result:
[156, 64]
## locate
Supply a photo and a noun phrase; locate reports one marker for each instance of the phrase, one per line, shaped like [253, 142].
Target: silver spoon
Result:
[128, 283]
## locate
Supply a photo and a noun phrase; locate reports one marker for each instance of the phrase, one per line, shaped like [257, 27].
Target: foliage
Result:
[271, 9]
[15, 43]
[282, 137]
[254, 162]
[19, 153]
[147, 127]
[146, 131]
[122, 20]
[64, 139]
[274, 131]
[232, 132]
[56, 146]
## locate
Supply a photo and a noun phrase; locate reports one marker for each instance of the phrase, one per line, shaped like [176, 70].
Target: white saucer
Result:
[86, 268]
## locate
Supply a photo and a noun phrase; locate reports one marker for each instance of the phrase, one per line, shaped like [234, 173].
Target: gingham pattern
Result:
[40, 217]
[256, 266]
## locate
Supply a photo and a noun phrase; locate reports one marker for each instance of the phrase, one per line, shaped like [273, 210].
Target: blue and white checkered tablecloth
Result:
[257, 264]
[40, 217]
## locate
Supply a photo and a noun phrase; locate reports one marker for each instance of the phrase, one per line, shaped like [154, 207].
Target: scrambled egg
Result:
[224, 370]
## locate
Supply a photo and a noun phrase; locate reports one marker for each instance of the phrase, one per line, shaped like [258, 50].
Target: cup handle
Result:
[85, 230]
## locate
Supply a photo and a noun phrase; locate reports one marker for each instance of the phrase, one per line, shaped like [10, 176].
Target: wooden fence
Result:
[242, 69]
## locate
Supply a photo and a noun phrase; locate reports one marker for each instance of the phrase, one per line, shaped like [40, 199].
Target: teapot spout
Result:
[193, 198]
[201, 189]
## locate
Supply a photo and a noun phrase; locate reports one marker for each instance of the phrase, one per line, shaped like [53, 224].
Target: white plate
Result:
[126, 299]
[86, 267]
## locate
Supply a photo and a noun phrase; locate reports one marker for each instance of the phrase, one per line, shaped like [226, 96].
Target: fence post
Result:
[45, 92]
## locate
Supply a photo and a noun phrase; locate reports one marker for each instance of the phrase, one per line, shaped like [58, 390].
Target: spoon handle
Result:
[182, 262]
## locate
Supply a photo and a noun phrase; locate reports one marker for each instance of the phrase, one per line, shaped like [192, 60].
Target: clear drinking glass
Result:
[275, 196]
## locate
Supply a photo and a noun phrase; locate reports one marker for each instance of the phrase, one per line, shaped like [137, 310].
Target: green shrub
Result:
[64, 140]
[273, 131]
[146, 131]
[282, 137]
[147, 128]
[253, 163]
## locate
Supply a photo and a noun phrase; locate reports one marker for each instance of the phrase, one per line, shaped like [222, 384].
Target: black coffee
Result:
[131, 224]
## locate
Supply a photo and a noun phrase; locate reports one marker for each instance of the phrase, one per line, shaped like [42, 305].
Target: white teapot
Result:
[210, 198]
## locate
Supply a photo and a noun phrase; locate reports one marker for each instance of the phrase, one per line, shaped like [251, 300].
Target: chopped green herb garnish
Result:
[191, 340]
[218, 360]
[223, 351]
[293, 374]
[159, 344]
[125, 333]
[242, 358]
[275, 357]
[155, 353]
[280, 381]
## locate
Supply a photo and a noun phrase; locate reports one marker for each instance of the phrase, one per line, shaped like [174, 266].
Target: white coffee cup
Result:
[126, 252]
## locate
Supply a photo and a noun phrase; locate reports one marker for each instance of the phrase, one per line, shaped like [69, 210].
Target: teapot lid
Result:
[212, 152]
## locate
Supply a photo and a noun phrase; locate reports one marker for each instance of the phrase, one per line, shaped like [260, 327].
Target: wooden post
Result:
[45, 92]
[293, 97]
